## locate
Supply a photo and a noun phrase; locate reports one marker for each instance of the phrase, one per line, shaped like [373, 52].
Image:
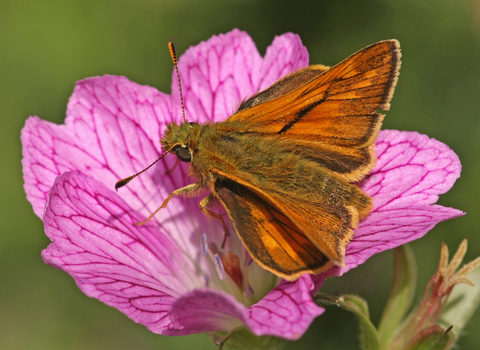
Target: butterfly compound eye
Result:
[183, 154]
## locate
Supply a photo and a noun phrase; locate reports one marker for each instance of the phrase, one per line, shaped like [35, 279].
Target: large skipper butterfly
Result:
[283, 164]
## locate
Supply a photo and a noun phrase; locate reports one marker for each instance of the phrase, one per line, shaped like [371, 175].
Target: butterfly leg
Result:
[191, 190]
[173, 168]
[203, 205]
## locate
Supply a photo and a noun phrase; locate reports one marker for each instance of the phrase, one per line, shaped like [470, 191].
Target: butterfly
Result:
[283, 165]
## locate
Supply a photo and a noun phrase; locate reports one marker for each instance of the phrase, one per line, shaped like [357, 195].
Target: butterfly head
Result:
[182, 140]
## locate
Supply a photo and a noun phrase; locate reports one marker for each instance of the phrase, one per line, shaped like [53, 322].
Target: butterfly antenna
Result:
[126, 180]
[173, 53]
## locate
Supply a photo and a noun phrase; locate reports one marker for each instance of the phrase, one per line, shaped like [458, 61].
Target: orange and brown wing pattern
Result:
[320, 214]
[273, 240]
[285, 85]
[332, 119]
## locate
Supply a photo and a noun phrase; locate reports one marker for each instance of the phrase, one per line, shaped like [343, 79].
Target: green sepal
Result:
[241, 338]
[401, 296]
[323, 299]
[368, 335]
[433, 338]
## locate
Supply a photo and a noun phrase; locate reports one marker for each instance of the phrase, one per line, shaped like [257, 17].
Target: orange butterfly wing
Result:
[282, 165]
[331, 119]
[291, 229]
[273, 240]
[283, 86]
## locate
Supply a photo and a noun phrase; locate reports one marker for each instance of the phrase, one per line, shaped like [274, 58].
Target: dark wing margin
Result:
[285, 85]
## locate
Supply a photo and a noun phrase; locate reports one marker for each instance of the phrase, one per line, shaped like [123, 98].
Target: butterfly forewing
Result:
[285, 85]
[332, 119]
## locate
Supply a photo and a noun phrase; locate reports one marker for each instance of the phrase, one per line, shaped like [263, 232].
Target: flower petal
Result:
[111, 131]
[388, 229]
[287, 311]
[135, 269]
[216, 76]
[205, 310]
[412, 169]
[285, 55]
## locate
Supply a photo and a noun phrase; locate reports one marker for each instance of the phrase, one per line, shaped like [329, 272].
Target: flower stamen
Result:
[249, 291]
[219, 266]
[226, 264]
[204, 244]
[207, 279]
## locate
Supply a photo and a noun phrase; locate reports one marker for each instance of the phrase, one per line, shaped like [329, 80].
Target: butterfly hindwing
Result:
[271, 238]
[315, 206]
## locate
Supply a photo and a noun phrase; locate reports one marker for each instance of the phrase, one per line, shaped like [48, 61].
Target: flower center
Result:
[235, 270]
[227, 265]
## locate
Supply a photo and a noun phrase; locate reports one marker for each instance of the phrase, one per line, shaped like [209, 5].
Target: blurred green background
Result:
[47, 45]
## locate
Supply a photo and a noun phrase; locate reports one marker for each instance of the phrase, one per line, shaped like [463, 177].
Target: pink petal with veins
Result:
[287, 311]
[136, 269]
[286, 54]
[112, 130]
[206, 310]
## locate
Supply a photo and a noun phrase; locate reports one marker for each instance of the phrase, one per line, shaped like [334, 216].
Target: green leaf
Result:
[369, 339]
[401, 296]
[433, 338]
[241, 338]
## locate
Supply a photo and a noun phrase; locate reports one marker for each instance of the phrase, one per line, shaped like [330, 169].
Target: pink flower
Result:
[163, 274]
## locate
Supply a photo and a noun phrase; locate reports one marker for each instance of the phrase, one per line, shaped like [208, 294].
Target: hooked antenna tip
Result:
[122, 182]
